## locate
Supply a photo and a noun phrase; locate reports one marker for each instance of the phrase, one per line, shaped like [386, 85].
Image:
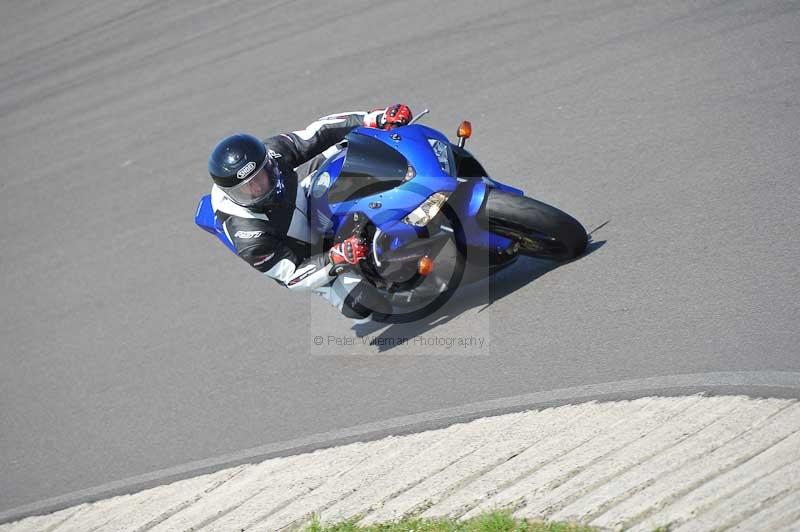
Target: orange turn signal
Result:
[464, 130]
[425, 266]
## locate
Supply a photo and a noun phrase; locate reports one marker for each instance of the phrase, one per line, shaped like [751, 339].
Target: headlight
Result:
[427, 210]
[410, 173]
[440, 149]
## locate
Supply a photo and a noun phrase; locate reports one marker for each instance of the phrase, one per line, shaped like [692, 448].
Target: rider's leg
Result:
[354, 297]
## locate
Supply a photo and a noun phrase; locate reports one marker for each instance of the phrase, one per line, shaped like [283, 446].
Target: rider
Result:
[262, 206]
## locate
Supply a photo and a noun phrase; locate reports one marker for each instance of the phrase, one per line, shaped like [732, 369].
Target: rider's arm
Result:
[303, 145]
[255, 244]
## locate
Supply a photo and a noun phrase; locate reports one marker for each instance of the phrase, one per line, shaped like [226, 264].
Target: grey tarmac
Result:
[138, 351]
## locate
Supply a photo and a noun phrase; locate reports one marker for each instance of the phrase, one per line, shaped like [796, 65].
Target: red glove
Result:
[393, 116]
[348, 252]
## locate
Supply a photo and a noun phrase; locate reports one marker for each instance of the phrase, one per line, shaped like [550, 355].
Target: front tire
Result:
[540, 229]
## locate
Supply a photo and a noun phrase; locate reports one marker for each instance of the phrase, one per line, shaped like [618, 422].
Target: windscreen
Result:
[370, 167]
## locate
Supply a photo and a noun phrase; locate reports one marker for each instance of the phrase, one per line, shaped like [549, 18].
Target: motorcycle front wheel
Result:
[540, 229]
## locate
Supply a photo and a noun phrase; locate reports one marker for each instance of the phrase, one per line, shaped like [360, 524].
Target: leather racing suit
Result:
[278, 241]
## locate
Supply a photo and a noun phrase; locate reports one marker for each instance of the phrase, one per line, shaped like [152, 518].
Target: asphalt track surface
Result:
[134, 344]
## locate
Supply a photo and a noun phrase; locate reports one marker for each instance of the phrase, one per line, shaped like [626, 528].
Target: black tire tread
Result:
[506, 211]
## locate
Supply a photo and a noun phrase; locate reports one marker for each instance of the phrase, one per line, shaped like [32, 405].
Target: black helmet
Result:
[241, 166]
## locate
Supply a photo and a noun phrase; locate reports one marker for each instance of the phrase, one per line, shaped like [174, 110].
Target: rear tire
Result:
[541, 230]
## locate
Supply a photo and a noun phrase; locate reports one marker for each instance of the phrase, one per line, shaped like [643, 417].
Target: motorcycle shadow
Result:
[477, 289]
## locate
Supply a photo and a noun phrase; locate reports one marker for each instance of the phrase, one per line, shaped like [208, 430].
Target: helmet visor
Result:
[253, 189]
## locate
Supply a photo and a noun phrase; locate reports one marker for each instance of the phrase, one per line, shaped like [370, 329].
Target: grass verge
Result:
[489, 522]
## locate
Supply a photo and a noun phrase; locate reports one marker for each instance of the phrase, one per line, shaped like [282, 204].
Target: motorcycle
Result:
[427, 208]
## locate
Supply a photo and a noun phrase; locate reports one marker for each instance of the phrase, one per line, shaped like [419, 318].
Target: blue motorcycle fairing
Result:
[412, 142]
[466, 195]
[387, 208]
[204, 217]
[467, 202]
[394, 203]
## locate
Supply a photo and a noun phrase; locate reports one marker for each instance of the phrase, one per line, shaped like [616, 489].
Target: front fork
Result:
[468, 201]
